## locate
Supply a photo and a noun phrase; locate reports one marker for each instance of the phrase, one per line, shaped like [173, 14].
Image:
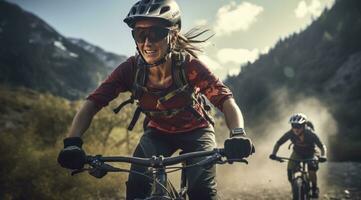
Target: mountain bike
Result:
[158, 168]
[301, 189]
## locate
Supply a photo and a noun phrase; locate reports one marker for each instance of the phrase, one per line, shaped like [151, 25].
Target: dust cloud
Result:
[262, 175]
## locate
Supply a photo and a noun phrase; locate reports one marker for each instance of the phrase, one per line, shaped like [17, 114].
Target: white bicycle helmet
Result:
[298, 118]
[165, 10]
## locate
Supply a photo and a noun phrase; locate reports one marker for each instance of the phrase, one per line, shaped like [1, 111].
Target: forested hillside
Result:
[32, 126]
[323, 62]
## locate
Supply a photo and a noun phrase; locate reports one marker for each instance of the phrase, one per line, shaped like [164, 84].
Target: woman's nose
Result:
[146, 41]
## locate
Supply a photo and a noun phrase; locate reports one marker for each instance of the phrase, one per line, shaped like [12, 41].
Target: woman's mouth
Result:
[150, 52]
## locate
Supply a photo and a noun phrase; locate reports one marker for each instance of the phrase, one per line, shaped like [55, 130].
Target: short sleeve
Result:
[203, 79]
[120, 80]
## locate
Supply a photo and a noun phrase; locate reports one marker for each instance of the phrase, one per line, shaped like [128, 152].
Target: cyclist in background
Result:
[176, 111]
[304, 141]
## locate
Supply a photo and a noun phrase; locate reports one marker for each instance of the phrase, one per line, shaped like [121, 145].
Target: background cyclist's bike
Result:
[300, 178]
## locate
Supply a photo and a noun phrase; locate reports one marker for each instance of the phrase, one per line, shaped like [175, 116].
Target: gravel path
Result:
[269, 181]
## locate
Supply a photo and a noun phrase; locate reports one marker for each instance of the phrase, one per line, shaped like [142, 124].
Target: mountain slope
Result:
[34, 55]
[321, 62]
[111, 60]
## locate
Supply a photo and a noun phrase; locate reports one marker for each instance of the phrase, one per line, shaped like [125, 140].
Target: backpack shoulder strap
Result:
[140, 78]
[178, 70]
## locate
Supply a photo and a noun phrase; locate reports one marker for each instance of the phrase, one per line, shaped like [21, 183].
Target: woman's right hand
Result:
[238, 147]
[72, 156]
[322, 159]
[272, 157]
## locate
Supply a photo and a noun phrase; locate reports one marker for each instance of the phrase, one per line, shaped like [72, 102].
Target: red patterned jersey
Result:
[199, 77]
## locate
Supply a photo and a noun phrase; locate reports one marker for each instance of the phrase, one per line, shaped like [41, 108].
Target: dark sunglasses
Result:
[153, 33]
[297, 126]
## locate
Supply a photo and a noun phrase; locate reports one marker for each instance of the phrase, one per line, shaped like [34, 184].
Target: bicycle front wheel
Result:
[299, 189]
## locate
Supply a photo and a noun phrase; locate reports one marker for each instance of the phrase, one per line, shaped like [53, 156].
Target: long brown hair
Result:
[188, 42]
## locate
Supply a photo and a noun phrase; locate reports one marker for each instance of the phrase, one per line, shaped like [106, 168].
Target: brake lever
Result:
[279, 160]
[102, 169]
[230, 161]
[237, 160]
[110, 168]
[77, 171]
[97, 172]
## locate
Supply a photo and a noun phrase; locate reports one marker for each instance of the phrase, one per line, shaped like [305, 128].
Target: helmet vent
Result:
[133, 11]
[141, 9]
[153, 7]
[164, 9]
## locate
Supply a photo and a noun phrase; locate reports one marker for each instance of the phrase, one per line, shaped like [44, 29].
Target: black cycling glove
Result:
[322, 159]
[238, 147]
[72, 156]
[272, 157]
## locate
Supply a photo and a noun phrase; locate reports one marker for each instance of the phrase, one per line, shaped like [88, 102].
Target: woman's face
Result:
[298, 129]
[152, 51]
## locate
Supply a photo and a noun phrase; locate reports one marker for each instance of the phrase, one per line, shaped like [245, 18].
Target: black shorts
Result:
[292, 165]
[201, 181]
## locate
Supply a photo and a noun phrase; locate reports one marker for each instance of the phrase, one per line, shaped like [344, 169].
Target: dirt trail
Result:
[337, 181]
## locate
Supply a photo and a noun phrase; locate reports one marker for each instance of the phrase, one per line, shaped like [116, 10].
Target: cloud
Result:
[237, 56]
[265, 50]
[233, 17]
[314, 8]
[301, 10]
[229, 61]
[329, 3]
[234, 71]
[209, 62]
[200, 22]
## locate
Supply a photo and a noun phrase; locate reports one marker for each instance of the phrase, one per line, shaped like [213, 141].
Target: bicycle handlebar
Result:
[281, 159]
[213, 156]
[155, 161]
[99, 167]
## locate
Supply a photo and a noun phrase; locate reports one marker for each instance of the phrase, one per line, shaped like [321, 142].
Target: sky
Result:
[243, 29]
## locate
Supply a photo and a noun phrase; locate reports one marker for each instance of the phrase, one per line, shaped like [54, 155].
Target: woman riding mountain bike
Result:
[304, 140]
[169, 84]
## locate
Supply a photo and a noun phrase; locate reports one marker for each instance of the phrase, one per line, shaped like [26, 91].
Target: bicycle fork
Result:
[183, 185]
[160, 182]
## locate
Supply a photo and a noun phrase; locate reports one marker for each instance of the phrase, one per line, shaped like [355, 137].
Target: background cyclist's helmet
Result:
[165, 10]
[298, 118]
